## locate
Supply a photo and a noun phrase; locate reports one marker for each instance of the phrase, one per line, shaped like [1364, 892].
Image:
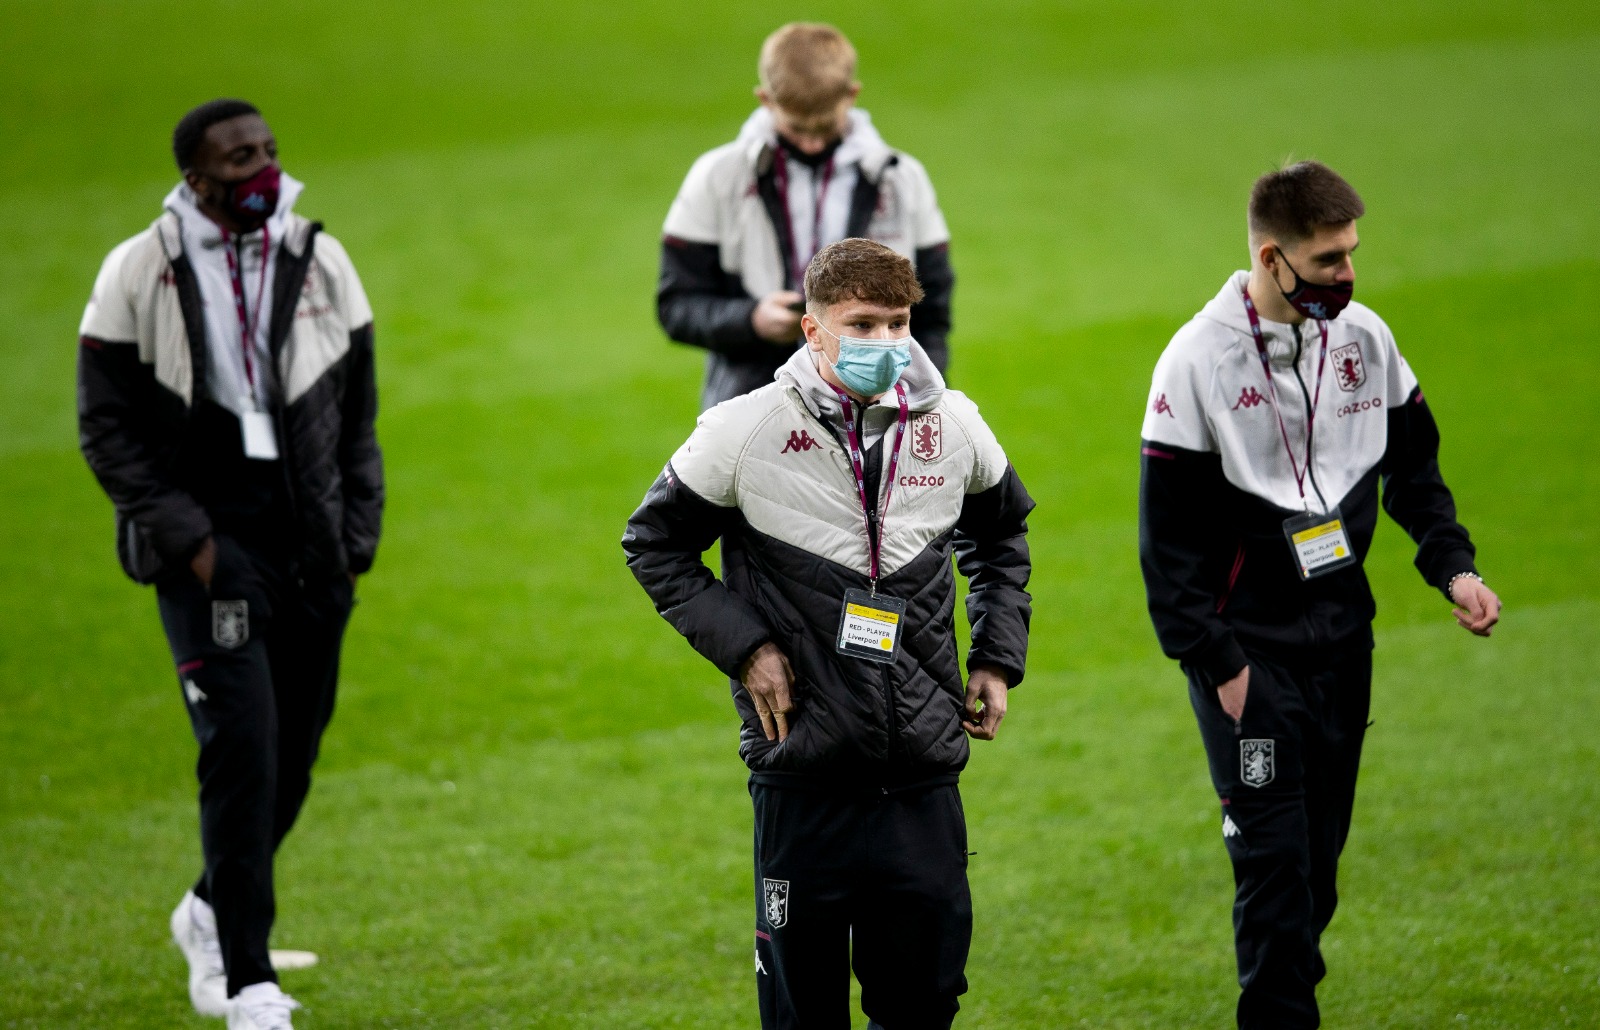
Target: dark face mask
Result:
[1315, 300]
[251, 201]
[816, 160]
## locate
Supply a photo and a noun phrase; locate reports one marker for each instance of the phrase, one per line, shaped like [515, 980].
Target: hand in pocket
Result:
[1231, 695]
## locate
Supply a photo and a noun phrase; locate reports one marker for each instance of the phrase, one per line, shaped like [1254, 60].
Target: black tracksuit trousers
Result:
[1286, 776]
[258, 661]
[870, 880]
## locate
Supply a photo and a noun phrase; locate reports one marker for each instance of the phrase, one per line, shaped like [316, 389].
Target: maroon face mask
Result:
[252, 201]
[1315, 300]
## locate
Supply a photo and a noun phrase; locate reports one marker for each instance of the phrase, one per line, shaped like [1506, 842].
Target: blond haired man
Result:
[807, 169]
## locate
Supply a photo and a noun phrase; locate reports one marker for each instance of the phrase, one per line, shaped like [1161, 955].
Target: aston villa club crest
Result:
[927, 437]
[1256, 764]
[1347, 367]
[776, 893]
[230, 623]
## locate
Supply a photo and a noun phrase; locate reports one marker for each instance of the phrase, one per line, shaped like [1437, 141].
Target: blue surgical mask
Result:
[870, 367]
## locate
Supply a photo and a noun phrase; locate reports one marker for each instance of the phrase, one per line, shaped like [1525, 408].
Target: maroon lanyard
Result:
[781, 170]
[1272, 388]
[859, 467]
[248, 324]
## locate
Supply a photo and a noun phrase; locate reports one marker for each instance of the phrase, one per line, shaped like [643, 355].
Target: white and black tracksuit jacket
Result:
[142, 373]
[768, 472]
[726, 242]
[1217, 483]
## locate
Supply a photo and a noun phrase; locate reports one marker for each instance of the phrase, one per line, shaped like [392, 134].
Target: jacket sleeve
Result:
[699, 303]
[115, 393]
[1178, 489]
[360, 460]
[930, 318]
[1415, 495]
[991, 545]
[664, 542]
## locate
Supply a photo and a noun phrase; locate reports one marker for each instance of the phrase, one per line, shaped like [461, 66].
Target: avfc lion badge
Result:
[1256, 764]
[927, 437]
[1347, 367]
[776, 893]
[230, 623]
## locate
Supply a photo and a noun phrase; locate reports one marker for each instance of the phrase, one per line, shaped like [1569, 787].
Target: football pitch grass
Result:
[530, 811]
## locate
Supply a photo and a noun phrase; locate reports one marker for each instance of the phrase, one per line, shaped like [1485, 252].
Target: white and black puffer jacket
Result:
[142, 376]
[1217, 482]
[769, 473]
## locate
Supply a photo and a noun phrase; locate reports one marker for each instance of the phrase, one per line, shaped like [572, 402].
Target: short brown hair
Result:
[807, 67]
[1289, 204]
[861, 270]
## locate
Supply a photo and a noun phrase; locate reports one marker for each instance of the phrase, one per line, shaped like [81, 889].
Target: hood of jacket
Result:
[861, 145]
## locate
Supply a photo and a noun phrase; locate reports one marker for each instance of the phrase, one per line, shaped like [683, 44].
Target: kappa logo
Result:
[230, 623]
[927, 437]
[1249, 397]
[192, 692]
[1256, 764]
[1348, 367]
[1161, 407]
[776, 895]
[799, 441]
[1229, 827]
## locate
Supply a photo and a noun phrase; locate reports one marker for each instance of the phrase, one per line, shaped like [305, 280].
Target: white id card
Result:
[1319, 542]
[260, 439]
[870, 625]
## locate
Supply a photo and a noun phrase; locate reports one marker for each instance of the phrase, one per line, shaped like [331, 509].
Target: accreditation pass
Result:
[869, 626]
[1319, 542]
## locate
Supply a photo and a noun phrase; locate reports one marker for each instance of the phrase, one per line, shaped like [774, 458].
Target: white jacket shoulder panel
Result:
[332, 304]
[708, 462]
[1375, 335]
[716, 179]
[766, 454]
[925, 221]
[1178, 410]
[110, 314]
[135, 299]
[968, 430]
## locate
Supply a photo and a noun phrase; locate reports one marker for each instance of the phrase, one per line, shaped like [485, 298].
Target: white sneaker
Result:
[194, 929]
[261, 1006]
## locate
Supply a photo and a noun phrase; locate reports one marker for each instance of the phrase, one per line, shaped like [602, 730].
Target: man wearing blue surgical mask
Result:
[842, 490]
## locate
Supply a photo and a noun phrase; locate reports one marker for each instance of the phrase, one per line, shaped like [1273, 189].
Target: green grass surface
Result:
[530, 811]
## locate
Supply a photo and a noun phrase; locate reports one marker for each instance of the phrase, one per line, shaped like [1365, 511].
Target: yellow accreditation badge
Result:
[869, 625]
[1319, 542]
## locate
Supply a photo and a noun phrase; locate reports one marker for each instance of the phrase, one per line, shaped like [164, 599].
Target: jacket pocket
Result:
[138, 555]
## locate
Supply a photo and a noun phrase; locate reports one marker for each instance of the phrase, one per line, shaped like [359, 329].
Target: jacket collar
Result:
[862, 145]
